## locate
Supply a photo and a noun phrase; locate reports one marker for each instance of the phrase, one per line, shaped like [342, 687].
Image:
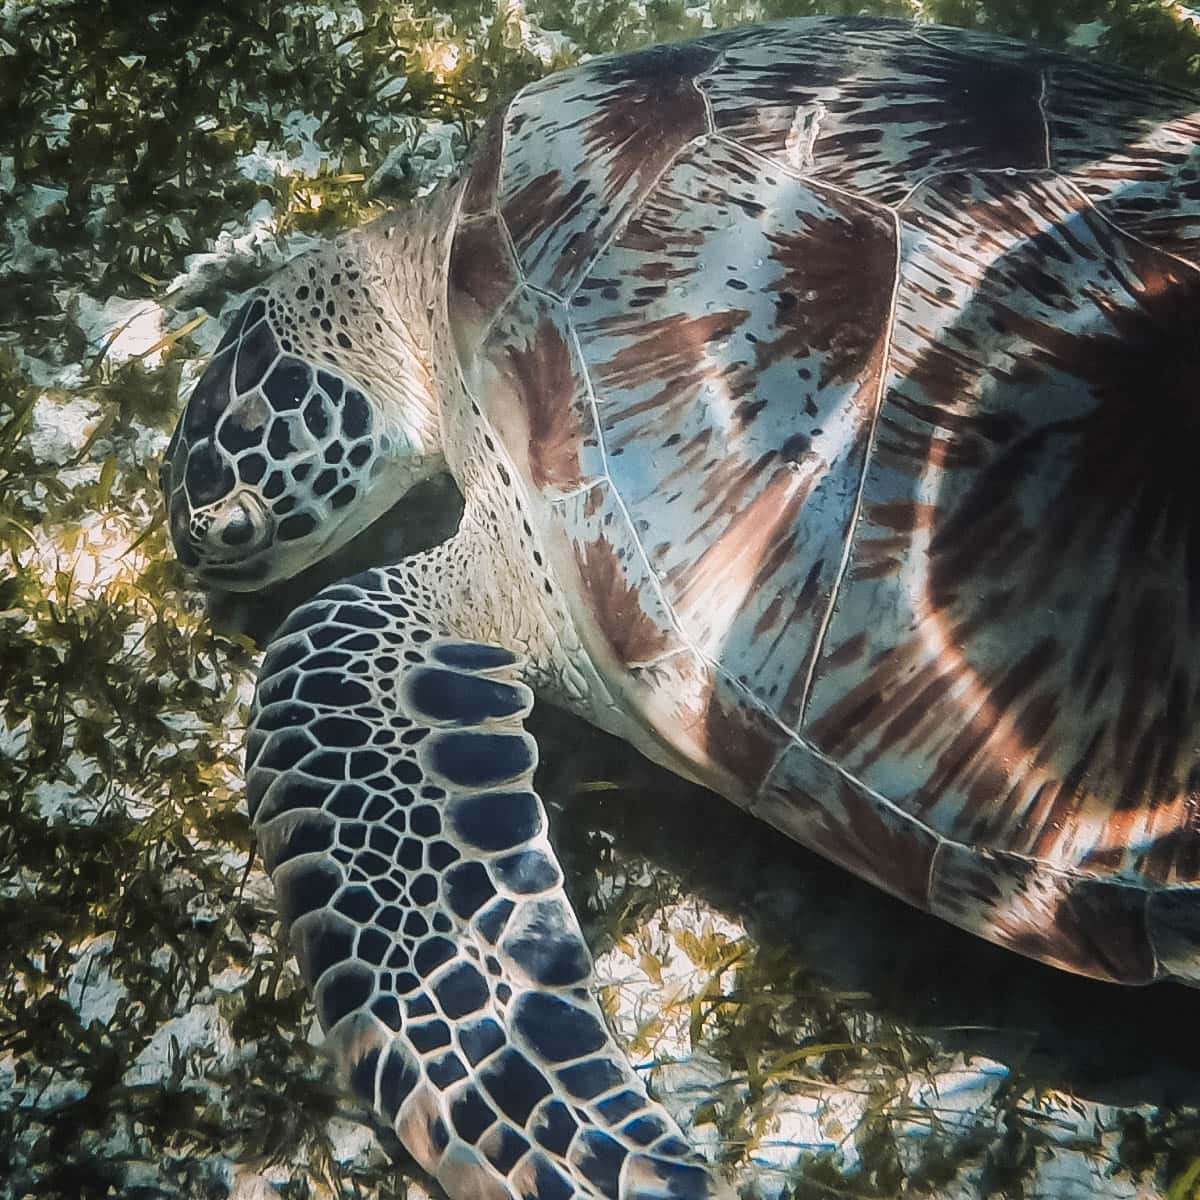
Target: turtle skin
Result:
[854, 369]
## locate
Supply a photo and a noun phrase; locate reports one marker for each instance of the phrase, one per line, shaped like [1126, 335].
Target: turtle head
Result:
[312, 419]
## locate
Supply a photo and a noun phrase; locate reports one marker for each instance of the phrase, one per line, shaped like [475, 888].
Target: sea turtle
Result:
[824, 398]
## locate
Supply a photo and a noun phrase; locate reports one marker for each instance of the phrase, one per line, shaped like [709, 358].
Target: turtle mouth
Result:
[222, 541]
[241, 527]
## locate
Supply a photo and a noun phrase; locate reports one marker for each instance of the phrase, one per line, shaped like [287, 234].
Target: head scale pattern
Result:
[278, 442]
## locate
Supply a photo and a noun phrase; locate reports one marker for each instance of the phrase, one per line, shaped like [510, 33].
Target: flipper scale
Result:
[391, 785]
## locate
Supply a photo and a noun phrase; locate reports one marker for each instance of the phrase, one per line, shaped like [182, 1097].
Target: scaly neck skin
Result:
[402, 258]
[476, 583]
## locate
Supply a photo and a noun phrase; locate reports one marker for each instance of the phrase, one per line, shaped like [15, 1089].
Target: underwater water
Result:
[818, 1038]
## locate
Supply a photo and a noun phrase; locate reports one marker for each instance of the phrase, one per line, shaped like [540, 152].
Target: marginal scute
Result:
[503, 1147]
[482, 276]
[320, 944]
[600, 1160]
[554, 1127]
[616, 1108]
[526, 872]
[533, 387]
[470, 1115]
[1093, 926]
[341, 991]
[644, 1130]
[495, 821]
[472, 656]
[294, 835]
[663, 1179]
[458, 698]
[397, 1077]
[809, 799]
[540, 1178]
[283, 750]
[270, 796]
[478, 760]
[588, 1079]
[1173, 917]
[363, 1076]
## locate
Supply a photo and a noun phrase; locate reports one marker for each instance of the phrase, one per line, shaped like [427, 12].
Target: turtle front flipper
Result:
[390, 785]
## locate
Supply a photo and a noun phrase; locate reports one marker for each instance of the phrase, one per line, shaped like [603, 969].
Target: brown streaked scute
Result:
[1090, 926]
[483, 168]
[543, 378]
[834, 291]
[616, 605]
[547, 204]
[481, 277]
[675, 353]
[739, 736]
[1026, 564]
[648, 108]
[755, 543]
[810, 800]
[1133, 147]
[532, 387]
[877, 110]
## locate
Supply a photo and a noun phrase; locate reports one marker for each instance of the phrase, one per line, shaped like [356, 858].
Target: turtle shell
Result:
[855, 368]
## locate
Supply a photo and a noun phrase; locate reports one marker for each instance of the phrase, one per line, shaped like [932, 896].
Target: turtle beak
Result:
[241, 526]
[222, 535]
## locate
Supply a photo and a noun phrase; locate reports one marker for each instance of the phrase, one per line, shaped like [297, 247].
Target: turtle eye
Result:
[207, 475]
